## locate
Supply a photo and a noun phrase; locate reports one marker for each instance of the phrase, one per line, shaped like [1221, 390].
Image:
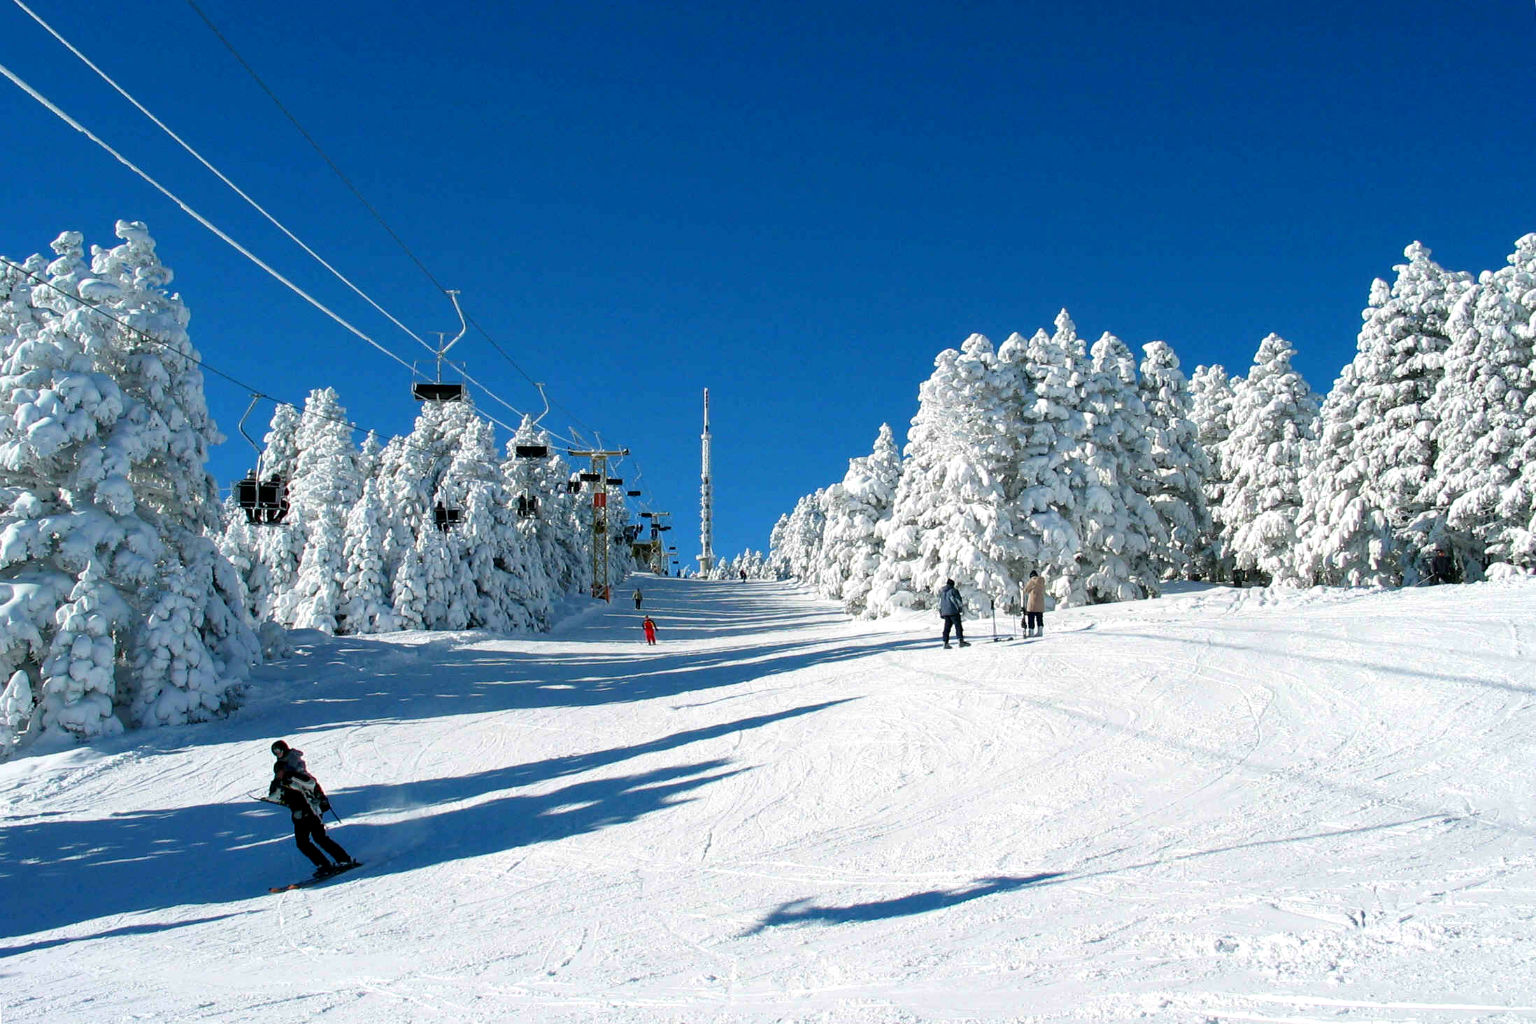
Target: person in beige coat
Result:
[1034, 606]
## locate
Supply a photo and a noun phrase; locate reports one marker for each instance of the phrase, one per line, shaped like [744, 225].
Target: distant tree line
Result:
[1111, 478]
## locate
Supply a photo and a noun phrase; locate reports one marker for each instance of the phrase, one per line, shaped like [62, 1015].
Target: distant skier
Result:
[743, 575]
[1441, 567]
[951, 605]
[650, 631]
[1034, 606]
[638, 598]
[294, 788]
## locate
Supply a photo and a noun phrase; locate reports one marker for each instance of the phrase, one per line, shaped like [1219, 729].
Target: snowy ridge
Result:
[1218, 805]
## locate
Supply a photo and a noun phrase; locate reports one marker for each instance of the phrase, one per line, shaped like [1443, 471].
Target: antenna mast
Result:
[706, 502]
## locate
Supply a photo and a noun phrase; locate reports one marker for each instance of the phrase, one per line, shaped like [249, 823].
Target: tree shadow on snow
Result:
[112, 933]
[803, 911]
[330, 683]
[57, 872]
[427, 792]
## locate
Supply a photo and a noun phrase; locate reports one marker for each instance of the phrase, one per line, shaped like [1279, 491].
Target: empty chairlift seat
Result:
[437, 391]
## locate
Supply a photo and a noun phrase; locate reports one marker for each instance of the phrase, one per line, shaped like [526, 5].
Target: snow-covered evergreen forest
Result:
[1110, 476]
[131, 596]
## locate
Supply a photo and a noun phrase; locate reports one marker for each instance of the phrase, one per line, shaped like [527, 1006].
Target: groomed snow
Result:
[1219, 805]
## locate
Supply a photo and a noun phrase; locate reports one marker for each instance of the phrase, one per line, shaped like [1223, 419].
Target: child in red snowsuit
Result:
[650, 630]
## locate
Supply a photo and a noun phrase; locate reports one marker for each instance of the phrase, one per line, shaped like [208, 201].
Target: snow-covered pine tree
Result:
[1180, 464]
[1211, 391]
[430, 586]
[1397, 381]
[279, 546]
[365, 587]
[324, 487]
[1274, 416]
[1485, 474]
[173, 490]
[801, 538]
[104, 435]
[1119, 528]
[1342, 535]
[451, 431]
[369, 455]
[853, 539]
[1048, 425]
[1371, 505]
[831, 571]
[753, 563]
[954, 519]
[494, 552]
[556, 556]
[778, 548]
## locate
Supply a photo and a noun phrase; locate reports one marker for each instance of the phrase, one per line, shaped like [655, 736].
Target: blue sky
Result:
[795, 205]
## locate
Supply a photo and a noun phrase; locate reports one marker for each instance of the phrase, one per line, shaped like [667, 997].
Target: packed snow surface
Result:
[1220, 805]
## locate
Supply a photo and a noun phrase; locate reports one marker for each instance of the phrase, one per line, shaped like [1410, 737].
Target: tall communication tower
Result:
[706, 502]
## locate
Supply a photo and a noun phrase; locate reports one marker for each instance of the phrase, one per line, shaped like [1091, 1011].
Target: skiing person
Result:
[951, 604]
[294, 760]
[1034, 606]
[638, 597]
[297, 790]
[650, 631]
[1441, 567]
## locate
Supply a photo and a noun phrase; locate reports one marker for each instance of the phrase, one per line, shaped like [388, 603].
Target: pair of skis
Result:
[318, 879]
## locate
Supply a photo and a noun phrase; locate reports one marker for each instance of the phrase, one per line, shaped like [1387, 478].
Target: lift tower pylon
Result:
[706, 500]
[601, 586]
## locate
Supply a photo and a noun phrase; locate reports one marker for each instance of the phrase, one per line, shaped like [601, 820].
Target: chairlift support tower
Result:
[601, 586]
[706, 501]
[659, 525]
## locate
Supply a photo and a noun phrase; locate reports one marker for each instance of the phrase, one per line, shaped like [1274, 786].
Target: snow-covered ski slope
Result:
[1217, 806]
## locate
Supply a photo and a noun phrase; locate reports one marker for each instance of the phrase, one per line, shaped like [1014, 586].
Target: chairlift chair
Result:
[445, 518]
[265, 502]
[531, 451]
[437, 391]
[527, 506]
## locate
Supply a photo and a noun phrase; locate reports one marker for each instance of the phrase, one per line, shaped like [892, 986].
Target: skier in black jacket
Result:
[294, 788]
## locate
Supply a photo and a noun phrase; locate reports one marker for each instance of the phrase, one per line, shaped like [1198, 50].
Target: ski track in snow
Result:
[1220, 805]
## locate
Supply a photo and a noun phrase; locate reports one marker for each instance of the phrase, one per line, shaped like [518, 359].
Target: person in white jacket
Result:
[1034, 606]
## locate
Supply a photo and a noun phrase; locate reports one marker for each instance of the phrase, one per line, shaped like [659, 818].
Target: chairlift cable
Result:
[372, 210]
[260, 209]
[219, 174]
[204, 221]
[230, 241]
[67, 119]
